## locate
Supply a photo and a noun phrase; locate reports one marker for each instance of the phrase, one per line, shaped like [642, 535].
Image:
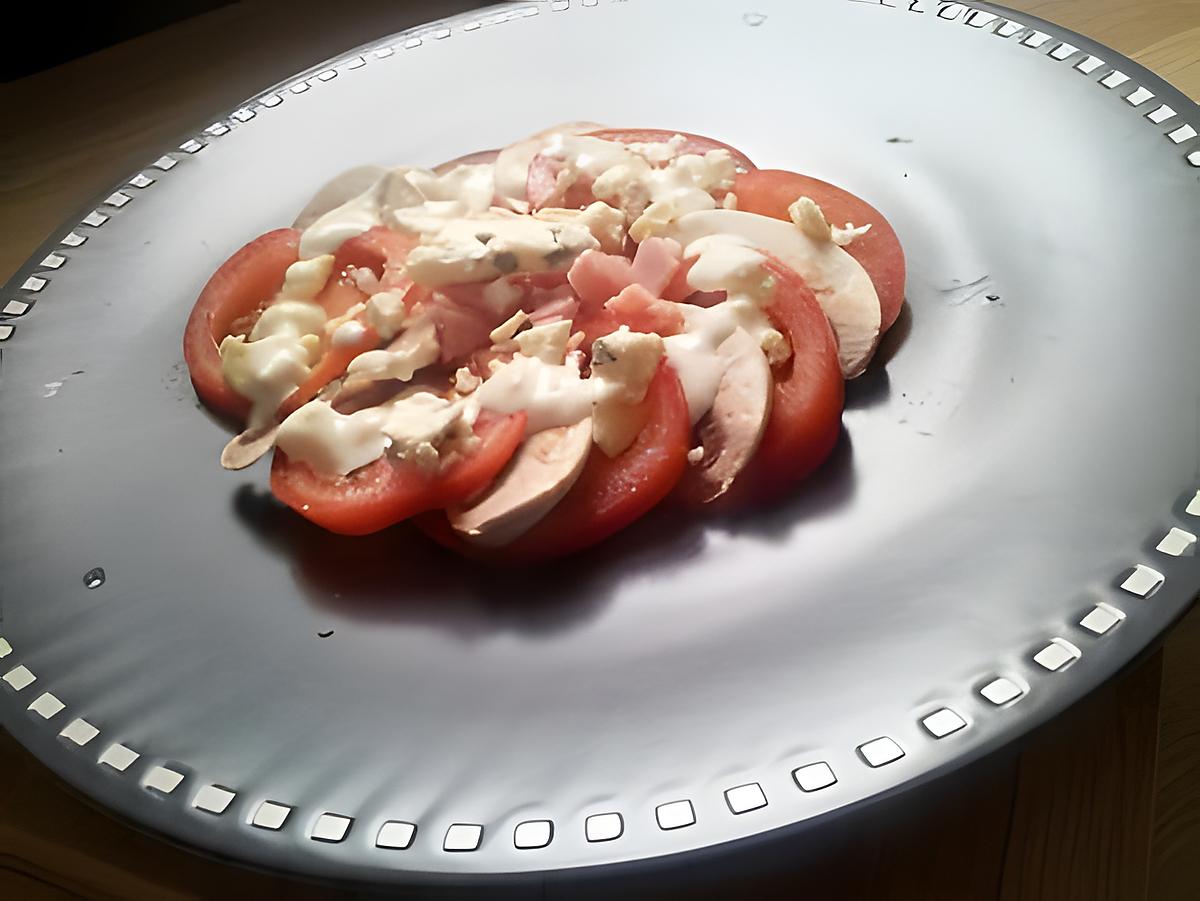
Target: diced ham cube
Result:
[655, 264]
[643, 311]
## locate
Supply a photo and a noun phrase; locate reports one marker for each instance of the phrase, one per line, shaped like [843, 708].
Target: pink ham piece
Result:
[655, 264]
[643, 311]
[461, 328]
[597, 277]
[553, 306]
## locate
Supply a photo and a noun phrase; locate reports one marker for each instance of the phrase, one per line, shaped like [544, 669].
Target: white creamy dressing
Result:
[415, 349]
[724, 263]
[470, 186]
[841, 285]
[411, 426]
[484, 247]
[463, 237]
[551, 395]
[270, 363]
[348, 334]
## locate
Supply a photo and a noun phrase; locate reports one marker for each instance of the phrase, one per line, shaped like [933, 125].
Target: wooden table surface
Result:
[1102, 804]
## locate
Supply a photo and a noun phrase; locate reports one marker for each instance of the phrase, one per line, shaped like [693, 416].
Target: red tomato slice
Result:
[386, 491]
[237, 290]
[379, 249]
[806, 412]
[769, 192]
[611, 493]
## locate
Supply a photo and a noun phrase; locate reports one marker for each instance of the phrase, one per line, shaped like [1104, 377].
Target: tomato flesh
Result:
[387, 491]
[238, 289]
[769, 192]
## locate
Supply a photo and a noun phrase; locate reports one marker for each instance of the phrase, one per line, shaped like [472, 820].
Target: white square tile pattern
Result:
[1177, 542]
[1182, 133]
[80, 731]
[463, 837]
[395, 835]
[1089, 64]
[19, 677]
[5, 648]
[270, 815]
[603, 827]
[1143, 581]
[814, 776]
[1114, 79]
[533, 834]
[162, 779]
[1062, 51]
[1001, 691]
[1101, 619]
[119, 757]
[47, 705]
[1140, 96]
[675, 814]
[943, 722]
[1057, 655]
[745, 798]
[213, 799]
[1193, 507]
[880, 751]
[331, 827]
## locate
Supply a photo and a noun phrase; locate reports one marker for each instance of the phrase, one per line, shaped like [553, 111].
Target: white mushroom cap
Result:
[542, 470]
[731, 431]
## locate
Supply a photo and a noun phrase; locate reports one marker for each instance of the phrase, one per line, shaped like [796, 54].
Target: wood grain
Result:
[1099, 805]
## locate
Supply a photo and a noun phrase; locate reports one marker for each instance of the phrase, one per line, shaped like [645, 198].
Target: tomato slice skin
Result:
[610, 494]
[809, 393]
[387, 491]
[769, 192]
[239, 288]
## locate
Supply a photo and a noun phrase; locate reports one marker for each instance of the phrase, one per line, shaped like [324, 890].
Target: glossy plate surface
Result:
[1008, 520]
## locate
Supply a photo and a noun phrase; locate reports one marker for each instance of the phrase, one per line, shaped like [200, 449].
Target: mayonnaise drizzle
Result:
[463, 238]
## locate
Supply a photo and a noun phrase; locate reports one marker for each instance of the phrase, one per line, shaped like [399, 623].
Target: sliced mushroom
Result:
[337, 191]
[249, 446]
[731, 431]
[841, 284]
[543, 469]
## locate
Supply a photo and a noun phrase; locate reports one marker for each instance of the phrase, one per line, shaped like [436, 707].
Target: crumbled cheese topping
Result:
[810, 219]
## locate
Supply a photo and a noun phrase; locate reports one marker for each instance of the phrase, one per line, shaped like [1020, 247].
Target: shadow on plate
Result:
[399, 575]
